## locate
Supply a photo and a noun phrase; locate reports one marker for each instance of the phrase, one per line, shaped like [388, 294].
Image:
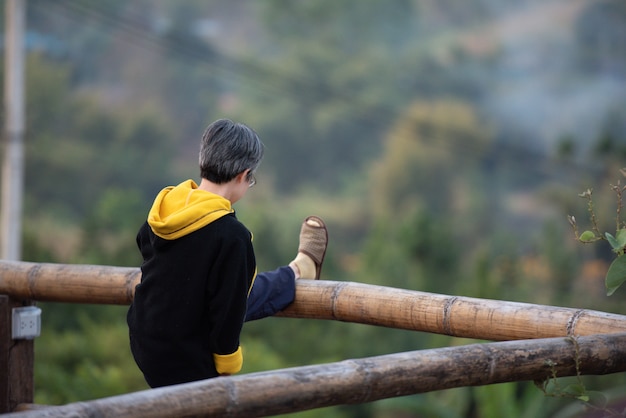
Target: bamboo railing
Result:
[342, 301]
[360, 381]
[594, 343]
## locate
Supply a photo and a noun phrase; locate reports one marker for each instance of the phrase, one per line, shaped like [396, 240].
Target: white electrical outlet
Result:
[26, 322]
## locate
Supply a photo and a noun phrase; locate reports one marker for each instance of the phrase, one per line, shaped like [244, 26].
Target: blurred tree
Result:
[90, 364]
[433, 246]
[81, 44]
[108, 235]
[561, 260]
[76, 143]
[315, 99]
[90, 175]
[428, 154]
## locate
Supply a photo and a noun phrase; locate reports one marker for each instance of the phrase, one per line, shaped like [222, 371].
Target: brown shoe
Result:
[314, 241]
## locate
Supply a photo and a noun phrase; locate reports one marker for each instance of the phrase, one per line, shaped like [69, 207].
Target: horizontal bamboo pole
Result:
[442, 314]
[342, 301]
[71, 283]
[361, 381]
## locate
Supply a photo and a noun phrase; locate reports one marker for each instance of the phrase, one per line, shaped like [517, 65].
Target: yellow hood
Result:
[180, 210]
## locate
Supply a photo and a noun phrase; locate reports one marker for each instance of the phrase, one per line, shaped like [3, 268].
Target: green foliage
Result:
[618, 242]
[587, 236]
[560, 260]
[335, 22]
[92, 363]
[432, 140]
[575, 388]
[317, 100]
[514, 400]
[616, 274]
[109, 229]
[430, 241]
[70, 166]
[372, 115]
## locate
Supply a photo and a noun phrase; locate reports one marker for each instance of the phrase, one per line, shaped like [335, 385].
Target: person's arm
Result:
[233, 272]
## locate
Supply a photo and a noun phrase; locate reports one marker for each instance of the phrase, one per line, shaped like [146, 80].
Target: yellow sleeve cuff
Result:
[228, 363]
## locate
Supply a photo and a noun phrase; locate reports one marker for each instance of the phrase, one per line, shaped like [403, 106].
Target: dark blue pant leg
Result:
[271, 292]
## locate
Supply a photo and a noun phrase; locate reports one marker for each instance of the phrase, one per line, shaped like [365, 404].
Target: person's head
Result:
[228, 149]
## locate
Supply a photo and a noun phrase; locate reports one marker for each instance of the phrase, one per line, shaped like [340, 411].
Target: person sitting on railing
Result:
[199, 281]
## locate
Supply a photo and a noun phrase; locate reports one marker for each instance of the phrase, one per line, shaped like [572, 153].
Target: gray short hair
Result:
[228, 149]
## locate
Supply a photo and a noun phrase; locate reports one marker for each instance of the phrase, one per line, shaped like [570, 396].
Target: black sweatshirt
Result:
[188, 310]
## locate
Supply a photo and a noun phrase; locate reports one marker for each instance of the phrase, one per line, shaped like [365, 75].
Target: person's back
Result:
[178, 318]
[199, 282]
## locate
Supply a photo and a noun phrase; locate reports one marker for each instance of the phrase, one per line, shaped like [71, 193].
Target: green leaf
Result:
[587, 236]
[575, 389]
[619, 241]
[611, 239]
[621, 237]
[616, 274]
[597, 399]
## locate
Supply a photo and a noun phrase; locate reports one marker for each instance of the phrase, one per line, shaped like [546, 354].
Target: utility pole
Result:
[16, 354]
[13, 166]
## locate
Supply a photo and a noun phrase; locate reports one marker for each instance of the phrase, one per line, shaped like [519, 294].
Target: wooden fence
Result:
[559, 340]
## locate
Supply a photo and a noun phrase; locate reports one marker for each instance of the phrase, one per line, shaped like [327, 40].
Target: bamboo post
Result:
[16, 361]
[342, 301]
[363, 380]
